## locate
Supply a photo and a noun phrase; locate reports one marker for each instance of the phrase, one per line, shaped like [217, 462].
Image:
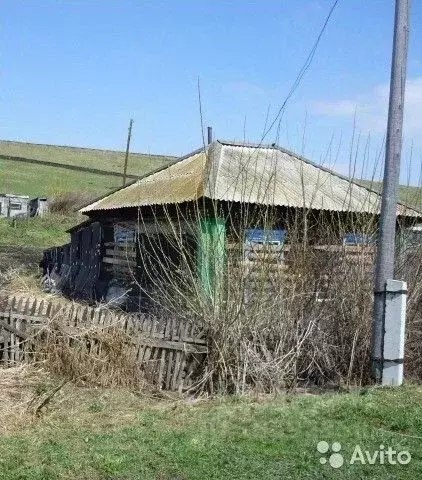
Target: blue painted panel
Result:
[358, 239]
[261, 235]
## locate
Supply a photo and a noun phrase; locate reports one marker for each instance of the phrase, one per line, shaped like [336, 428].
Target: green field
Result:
[43, 180]
[95, 434]
[410, 195]
[109, 160]
[40, 180]
[39, 232]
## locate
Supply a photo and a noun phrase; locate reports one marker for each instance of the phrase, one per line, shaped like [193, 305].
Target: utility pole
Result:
[129, 134]
[387, 227]
[209, 130]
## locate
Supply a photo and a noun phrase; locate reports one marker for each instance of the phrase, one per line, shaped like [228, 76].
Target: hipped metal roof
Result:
[234, 172]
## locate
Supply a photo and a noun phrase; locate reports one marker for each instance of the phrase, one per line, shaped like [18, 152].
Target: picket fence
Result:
[168, 351]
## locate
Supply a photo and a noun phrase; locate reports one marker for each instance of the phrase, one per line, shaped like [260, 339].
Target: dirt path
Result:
[19, 257]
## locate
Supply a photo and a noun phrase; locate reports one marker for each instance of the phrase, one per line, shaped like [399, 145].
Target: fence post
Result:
[394, 328]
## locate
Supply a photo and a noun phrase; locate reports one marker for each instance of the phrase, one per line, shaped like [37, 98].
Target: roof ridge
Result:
[235, 143]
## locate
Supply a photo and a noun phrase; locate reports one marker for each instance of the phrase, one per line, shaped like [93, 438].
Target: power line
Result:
[303, 70]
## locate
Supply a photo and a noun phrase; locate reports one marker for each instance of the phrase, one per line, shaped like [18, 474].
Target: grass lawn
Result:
[111, 434]
[39, 232]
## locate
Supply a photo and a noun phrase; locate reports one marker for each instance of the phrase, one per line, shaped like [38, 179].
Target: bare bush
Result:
[92, 355]
[70, 202]
[298, 316]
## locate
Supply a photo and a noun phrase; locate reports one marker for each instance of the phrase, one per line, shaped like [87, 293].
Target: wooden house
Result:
[203, 199]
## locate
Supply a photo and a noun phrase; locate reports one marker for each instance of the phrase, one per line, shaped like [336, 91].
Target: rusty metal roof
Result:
[249, 173]
[180, 182]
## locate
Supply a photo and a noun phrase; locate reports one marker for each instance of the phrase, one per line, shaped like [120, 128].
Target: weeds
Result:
[277, 314]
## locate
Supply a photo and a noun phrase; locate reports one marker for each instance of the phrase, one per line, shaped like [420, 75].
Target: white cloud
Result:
[371, 109]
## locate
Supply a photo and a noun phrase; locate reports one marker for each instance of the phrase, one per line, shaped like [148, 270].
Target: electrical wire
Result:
[302, 71]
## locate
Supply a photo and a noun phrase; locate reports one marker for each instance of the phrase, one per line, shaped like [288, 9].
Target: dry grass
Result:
[19, 387]
[269, 327]
[87, 354]
[30, 394]
[69, 202]
[92, 355]
[20, 281]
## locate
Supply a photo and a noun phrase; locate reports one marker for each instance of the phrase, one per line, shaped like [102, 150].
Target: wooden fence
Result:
[169, 352]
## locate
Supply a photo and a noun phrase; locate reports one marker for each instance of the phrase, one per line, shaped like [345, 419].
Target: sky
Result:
[73, 72]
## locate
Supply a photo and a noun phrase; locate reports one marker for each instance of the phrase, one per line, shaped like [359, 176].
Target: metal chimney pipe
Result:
[209, 135]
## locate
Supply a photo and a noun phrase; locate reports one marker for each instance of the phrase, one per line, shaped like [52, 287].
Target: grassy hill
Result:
[28, 168]
[409, 195]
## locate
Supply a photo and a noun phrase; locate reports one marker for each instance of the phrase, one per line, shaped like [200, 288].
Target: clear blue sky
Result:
[74, 72]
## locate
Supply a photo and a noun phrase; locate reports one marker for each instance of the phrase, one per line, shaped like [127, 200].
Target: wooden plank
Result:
[120, 245]
[148, 343]
[142, 328]
[6, 347]
[12, 302]
[161, 368]
[18, 341]
[180, 330]
[177, 365]
[120, 253]
[12, 339]
[19, 306]
[21, 316]
[11, 329]
[163, 359]
[180, 379]
[169, 369]
[118, 261]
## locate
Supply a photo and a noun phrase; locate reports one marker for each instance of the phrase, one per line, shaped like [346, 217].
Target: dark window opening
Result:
[15, 206]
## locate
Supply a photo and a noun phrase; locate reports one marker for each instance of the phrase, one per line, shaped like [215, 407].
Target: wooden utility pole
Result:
[129, 135]
[387, 227]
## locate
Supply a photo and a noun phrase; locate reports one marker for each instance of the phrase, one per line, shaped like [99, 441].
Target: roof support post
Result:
[211, 256]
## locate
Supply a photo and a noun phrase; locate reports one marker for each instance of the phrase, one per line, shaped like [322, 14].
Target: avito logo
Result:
[364, 457]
